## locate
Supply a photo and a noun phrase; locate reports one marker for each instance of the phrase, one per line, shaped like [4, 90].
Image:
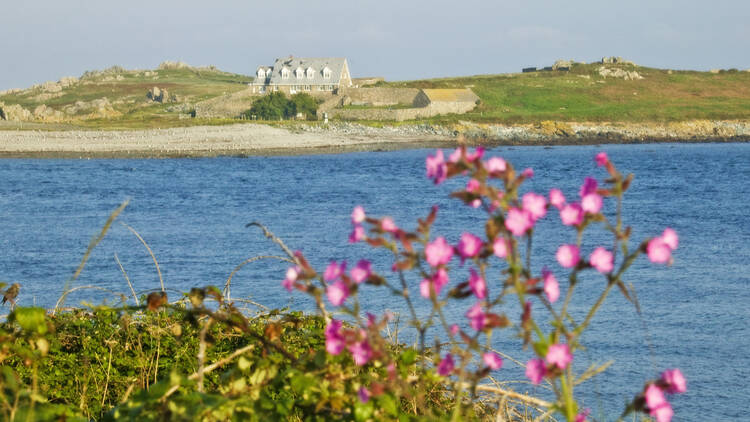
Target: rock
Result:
[166, 65]
[47, 114]
[619, 73]
[51, 87]
[16, 91]
[68, 81]
[15, 113]
[714, 70]
[562, 63]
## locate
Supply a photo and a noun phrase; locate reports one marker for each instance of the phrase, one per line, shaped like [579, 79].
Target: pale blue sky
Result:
[407, 39]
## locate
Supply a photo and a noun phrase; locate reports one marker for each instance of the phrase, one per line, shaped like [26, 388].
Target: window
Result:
[261, 74]
[327, 73]
[299, 73]
[307, 87]
[284, 73]
[310, 73]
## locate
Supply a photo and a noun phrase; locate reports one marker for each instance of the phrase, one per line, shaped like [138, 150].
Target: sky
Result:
[42, 40]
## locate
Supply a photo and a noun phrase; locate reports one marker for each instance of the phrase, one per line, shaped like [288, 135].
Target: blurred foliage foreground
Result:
[193, 360]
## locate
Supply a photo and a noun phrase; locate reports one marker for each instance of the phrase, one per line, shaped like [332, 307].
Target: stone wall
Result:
[401, 114]
[378, 97]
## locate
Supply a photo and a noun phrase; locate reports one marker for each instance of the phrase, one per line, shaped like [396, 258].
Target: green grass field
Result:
[583, 95]
[580, 94]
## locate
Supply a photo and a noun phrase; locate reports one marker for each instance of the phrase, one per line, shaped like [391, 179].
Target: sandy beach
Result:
[259, 139]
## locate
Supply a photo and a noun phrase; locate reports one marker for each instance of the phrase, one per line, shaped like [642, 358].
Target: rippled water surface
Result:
[192, 212]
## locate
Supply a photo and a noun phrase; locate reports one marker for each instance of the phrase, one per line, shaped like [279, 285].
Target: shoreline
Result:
[241, 140]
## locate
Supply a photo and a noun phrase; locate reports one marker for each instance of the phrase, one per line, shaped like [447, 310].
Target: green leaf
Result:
[409, 356]
[363, 411]
[388, 404]
[31, 319]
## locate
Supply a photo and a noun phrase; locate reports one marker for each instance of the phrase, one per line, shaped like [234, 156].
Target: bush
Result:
[275, 106]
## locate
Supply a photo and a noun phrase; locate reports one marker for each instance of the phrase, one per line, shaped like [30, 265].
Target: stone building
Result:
[317, 76]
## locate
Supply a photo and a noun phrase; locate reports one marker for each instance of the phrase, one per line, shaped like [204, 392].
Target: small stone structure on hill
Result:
[425, 103]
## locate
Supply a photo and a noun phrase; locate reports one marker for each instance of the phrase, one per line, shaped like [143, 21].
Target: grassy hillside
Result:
[582, 94]
[116, 98]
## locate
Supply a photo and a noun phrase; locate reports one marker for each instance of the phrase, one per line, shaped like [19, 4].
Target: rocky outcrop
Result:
[168, 65]
[99, 108]
[47, 114]
[628, 75]
[15, 113]
[161, 95]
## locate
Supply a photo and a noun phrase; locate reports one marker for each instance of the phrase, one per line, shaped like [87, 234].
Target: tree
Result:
[270, 107]
[303, 103]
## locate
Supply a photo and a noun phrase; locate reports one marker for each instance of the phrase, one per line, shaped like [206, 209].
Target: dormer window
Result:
[327, 73]
[261, 74]
[284, 73]
[310, 73]
[299, 73]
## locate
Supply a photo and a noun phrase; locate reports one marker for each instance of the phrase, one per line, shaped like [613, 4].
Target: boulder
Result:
[47, 114]
[562, 63]
[15, 113]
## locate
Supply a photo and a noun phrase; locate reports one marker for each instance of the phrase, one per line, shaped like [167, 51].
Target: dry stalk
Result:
[247, 261]
[158, 270]
[127, 279]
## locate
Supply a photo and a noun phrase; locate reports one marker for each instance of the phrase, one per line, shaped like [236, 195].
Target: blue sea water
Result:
[192, 212]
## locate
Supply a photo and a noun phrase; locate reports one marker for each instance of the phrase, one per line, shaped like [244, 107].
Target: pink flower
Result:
[477, 284]
[476, 203]
[361, 271]
[559, 355]
[358, 215]
[675, 381]
[658, 251]
[556, 198]
[528, 173]
[492, 360]
[654, 396]
[473, 186]
[500, 247]
[670, 238]
[334, 339]
[334, 271]
[446, 365]
[571, 214]
[357, 234]
[591, 203]
[437, 170]
[495, 165]
[388, 225]
[455, 156]
[437, 281]
[291, 276]
[602, 260]
[535, 204]
[551, 286]
[658, 406]
[469, 245]
[535, 370]
[518, 221]
[337, 293]
[361, 352]
[601, 159]
[438, 252]
[589, 186]
[476, 155]
[363, 394]
[662, 413]
[581, 417]
[454, 329]
[568, 256]
[477, 317]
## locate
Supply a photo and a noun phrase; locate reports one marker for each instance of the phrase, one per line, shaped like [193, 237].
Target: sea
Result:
[193, 215]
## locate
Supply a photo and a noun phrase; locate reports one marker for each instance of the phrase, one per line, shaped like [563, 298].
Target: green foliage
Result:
[130, 363]
[276, 106]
